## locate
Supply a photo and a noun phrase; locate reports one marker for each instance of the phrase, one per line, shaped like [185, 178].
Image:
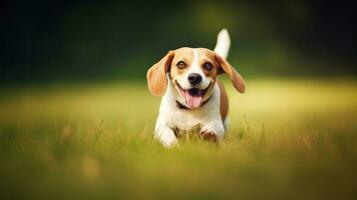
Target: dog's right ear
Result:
[156, 75]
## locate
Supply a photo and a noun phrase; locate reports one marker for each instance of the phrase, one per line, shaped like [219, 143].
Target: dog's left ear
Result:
[225, 67]
[156, 75]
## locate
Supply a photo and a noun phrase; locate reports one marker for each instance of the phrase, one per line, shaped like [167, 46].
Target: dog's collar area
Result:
[181, 106]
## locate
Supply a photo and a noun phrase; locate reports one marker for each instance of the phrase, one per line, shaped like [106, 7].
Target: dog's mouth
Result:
[193, 96]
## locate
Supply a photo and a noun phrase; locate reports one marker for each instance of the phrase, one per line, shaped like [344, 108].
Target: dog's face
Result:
[193, 73]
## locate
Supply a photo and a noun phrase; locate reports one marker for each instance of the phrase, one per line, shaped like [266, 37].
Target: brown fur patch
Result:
[224, 101]
[207, 56]
[182, 54]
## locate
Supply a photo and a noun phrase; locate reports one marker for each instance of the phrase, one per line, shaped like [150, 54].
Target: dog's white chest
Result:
[185, 119]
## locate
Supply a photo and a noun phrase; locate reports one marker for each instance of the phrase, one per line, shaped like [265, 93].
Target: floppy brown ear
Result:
[156, 75]
[227, 68]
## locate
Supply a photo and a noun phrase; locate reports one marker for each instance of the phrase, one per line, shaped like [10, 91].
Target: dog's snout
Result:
[194, 78]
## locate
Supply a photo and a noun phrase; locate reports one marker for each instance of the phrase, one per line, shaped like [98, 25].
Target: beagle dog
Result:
[192, 96]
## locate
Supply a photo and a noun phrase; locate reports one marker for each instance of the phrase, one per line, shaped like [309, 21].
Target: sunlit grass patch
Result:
[287, 139]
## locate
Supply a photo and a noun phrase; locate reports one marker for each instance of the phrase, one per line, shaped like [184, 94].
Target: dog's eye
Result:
[181, 65]
[207, 66]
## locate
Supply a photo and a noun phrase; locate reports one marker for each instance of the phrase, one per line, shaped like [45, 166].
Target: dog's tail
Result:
[223, 43]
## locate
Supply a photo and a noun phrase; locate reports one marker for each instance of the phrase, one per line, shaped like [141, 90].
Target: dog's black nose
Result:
[194, 78]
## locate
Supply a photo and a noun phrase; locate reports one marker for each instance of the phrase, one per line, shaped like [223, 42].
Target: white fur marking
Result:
[223, 44]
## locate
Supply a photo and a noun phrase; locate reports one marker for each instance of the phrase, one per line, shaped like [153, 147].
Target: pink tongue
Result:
[193, 102]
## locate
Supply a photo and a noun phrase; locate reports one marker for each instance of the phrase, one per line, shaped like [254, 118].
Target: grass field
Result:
[288, 139]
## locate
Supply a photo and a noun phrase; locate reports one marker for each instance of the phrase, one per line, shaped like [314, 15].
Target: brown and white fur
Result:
[192, 96]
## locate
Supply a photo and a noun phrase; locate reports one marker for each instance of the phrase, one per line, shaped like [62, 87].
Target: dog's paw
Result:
[166, 138]
[209, 136]
[212, 131]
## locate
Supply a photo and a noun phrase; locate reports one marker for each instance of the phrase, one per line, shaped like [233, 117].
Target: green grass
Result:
[288, 139]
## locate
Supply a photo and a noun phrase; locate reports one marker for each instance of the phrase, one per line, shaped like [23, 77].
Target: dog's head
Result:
[193, 73]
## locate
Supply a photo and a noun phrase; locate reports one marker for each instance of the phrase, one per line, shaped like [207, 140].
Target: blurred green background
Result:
[103, 40]
[77, 119]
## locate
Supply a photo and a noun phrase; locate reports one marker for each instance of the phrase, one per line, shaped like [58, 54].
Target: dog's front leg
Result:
[213, 130]
[164, 134]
